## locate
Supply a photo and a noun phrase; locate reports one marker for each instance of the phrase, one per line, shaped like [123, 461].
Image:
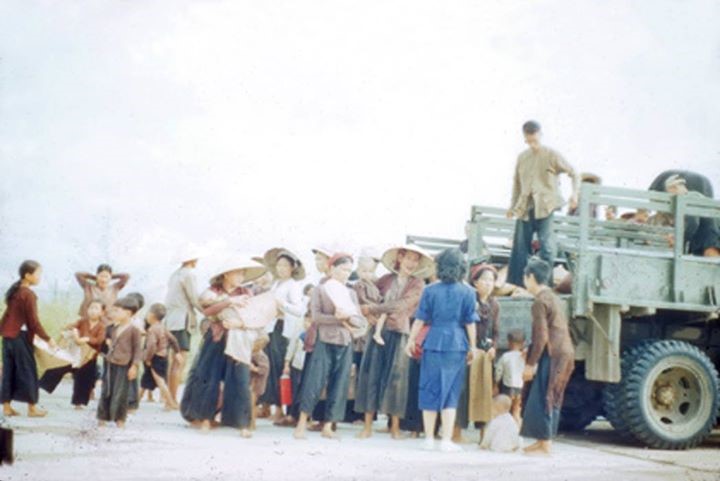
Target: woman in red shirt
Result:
[18, 326]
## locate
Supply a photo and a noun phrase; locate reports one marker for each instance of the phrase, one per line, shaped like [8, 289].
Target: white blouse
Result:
[240, 342]
[289, 292]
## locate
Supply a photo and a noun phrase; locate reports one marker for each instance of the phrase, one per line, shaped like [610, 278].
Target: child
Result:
[156, 354]
[502, 433]
[368, 292]
[138, 322]
[122, 360]
[88, 331]
[259, 372]
[509, 371]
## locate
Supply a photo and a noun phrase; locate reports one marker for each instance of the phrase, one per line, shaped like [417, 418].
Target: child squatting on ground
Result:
[502, 433]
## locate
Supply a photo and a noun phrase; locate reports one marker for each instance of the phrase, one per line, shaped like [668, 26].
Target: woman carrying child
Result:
[448, 307]
[335, 311]
[383, 374]
[201, 398]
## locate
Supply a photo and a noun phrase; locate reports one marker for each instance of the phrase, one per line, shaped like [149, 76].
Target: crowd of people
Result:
[418, 345]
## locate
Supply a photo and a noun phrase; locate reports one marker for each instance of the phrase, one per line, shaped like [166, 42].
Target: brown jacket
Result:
[399, 311]
[125, 347]
[331, 330]
[367, 292]
[22, 311]
[96, 334]
[157, 341]
[536, 179]
[550, 333]
[489, 325]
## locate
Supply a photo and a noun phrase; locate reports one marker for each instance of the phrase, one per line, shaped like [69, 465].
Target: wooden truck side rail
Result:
[617, 266]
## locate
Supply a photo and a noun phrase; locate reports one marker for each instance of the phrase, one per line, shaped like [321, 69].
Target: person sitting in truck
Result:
[587, 178]
[702, 234]
[536, 196]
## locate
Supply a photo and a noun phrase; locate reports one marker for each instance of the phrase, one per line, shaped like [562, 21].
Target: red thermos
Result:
[286, 394]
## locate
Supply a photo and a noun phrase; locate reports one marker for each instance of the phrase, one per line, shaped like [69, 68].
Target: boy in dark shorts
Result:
[509, 371]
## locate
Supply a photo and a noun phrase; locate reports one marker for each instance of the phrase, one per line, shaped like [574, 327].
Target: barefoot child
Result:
[157, 351]
[138, 322]
[259, 372]
[88, 331]
[509, 370]
[123, 358]
[502, 433]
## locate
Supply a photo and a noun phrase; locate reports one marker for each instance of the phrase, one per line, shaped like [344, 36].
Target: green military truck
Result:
[643, 313]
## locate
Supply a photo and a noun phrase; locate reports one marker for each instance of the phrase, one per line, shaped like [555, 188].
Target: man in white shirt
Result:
[181, 303]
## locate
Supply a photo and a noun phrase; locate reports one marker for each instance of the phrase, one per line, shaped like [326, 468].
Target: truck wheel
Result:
[613, 394]
[671, 395]
[582, 403]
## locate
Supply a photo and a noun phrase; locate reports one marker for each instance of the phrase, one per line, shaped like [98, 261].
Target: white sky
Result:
[128, 128]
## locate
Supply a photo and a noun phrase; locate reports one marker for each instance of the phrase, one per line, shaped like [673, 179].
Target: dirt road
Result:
[158, 445]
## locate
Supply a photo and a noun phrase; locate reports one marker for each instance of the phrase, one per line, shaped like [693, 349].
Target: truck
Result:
[643, 313]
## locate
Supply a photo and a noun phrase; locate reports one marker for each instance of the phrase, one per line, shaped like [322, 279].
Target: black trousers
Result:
[236, 404]
[19, 374]
[83, 383]
[113, 402]
[329, 366]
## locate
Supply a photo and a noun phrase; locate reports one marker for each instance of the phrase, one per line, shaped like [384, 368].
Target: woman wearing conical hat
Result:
[382, 378]
[201, 398]
[287, 270]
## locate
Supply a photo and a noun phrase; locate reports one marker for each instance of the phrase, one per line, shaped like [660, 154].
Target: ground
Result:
[158, 445]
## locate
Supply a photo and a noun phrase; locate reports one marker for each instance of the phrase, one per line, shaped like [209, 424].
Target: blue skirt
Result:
[442, 374]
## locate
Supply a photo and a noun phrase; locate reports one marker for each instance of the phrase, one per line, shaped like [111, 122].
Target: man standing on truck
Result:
[536, 196]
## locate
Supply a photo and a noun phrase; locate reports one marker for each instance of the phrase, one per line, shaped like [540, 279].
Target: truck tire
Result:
[670, 395]
[583, 401]
[613, 393]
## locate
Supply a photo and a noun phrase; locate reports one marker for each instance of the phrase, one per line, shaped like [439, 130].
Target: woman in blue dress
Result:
[448, 307]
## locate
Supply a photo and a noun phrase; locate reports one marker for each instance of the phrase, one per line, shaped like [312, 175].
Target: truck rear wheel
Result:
[670, 395]
[614, 394]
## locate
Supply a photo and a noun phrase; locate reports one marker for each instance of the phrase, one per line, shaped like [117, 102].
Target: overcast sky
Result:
[129, 128]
